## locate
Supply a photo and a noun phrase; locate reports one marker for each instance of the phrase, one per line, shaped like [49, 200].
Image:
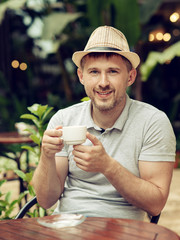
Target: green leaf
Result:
[29, 116]
[42, 110]
[155, 58]
[9, 211]
[22, 195]
[36, 122]
[11, 4]
[29, 148]
[85, 99]
[21, 174]
[36, 213]
[42, 212]
[13, 203]
[2, 181]
[3, 203]
[31, 190]
[31, 214]
[34, 109]
[50, 29]
[35, 139]
[29, 176]
[31, 130]
[47, 113]
[8, 197]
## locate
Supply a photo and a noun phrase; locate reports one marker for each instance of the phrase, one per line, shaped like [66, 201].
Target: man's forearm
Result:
[46, 182]
[139, 192]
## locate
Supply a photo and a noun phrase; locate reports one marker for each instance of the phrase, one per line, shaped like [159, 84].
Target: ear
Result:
[80, 75]
[132, 77]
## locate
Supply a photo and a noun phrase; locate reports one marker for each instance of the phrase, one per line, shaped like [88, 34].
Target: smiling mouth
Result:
[104, 94]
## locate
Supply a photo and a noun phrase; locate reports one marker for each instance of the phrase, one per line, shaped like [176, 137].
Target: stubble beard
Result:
[106, 105]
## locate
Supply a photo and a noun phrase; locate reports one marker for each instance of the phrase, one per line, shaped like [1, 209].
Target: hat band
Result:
[103, 49]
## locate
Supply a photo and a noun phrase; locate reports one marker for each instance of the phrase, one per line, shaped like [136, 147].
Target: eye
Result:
[94, 72]
[113, 71]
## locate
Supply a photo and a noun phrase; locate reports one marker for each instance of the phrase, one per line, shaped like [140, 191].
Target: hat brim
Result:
[131, 56]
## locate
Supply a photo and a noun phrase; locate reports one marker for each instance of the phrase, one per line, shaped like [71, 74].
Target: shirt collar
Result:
[90, 123]
[120, 122]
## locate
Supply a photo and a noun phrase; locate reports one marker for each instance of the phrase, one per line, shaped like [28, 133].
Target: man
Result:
[124, 169]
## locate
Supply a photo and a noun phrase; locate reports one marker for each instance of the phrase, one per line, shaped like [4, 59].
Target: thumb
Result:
[93, 139]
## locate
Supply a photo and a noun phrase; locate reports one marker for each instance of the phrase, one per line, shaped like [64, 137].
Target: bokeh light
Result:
[23, 66]
[15, 63]
[174, 17]
[166, 37]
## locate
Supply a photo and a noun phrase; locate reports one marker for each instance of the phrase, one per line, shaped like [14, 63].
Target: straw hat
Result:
[107, 39]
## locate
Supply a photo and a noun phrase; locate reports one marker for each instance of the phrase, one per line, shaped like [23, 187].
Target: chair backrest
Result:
[155, 219]
[33, 201]
[26, 207]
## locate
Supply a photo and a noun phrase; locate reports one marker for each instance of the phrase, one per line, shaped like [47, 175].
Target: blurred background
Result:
[38, 38]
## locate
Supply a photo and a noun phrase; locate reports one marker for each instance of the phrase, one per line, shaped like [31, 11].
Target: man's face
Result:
[105, 81]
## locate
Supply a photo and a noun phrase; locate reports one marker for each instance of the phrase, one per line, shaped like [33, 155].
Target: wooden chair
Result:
[33, 201]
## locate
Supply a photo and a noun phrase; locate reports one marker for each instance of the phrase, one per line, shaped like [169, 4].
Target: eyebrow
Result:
[93, 68]
[114, 68]
[109, 68]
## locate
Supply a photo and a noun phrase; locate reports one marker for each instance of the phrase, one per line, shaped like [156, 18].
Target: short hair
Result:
[107, 55]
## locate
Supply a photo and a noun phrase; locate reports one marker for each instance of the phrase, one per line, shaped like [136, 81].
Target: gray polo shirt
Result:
[142, 132]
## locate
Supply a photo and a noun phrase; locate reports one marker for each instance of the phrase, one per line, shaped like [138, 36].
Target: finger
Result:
[52, 139]
[82, 167]
[53, 133]
[78, 154]
[80, 162]
[58, 127]
[52, 146]
[93, 139]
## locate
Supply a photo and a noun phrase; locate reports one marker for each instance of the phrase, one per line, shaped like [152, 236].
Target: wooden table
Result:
[91, 229]
[13, 137]
[9, 138]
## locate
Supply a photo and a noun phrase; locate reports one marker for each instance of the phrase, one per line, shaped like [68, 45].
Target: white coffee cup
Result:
[74, 135]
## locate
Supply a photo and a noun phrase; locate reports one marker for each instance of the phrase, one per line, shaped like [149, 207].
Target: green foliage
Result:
[7, 205]
[38, 115]
[85, 99]
[50, 30]
[37, 212]
[11, 4]
[117, 13]
[148, 8]
[155, 58]
[27, 178]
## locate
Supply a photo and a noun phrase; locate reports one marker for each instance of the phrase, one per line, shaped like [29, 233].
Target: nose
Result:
[104, 82]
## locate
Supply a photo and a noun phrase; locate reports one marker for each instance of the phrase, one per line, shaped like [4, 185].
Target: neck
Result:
[106, 119]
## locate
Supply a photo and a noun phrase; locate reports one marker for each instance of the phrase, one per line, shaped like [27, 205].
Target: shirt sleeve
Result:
[159, 140]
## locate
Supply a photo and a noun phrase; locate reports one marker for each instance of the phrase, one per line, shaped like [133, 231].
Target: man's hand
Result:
[91, 158]
[52, 142]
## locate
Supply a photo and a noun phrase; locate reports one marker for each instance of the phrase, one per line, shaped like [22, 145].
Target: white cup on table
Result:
[74, 135]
